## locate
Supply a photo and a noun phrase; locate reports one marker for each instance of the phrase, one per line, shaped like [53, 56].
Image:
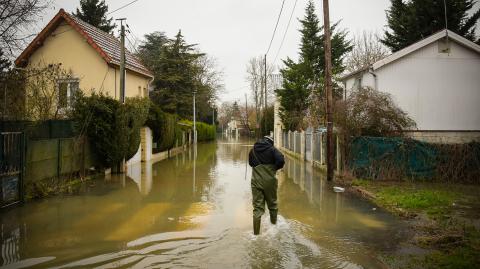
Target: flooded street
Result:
[189, 212]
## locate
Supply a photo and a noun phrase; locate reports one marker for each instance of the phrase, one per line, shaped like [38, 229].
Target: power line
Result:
[285, 34]
[133, 34]
[132, 44]
[122, 7]
[276, 25]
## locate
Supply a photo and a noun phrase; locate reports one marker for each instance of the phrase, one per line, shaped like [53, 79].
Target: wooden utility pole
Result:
[246, 116]
[213, 115]
[122, 77]
[328, 89]
[265, 97]
[122, 60]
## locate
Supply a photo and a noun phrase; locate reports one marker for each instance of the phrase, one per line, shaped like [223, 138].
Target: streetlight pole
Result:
[194, 119]
[328, 88]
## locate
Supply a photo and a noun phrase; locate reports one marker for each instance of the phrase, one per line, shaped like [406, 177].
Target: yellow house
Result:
[93, 57]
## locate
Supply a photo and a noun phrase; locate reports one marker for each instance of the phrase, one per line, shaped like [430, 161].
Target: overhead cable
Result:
[275, 30]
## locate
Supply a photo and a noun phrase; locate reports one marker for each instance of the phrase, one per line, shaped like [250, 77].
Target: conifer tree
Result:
[95, 13]
[409, 22]
[303, 81]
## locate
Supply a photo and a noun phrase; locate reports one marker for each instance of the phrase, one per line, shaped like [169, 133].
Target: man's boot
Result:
[273, 217]
[256, 226]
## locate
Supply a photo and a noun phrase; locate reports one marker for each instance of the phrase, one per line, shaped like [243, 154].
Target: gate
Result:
[12, 148]
[308, 146]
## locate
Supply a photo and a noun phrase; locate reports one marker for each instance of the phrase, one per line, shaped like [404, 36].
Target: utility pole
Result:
[122, 76]
[122, 60]
[246, 115]
[265, 98]
[213, 115]
[328, 88]
[194, 119]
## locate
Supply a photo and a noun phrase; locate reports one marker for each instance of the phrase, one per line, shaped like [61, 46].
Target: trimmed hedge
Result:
[113, 128]
[205, 132]
[164, 128]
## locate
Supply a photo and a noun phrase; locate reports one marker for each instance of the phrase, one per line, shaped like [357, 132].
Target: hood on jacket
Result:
[262, 145]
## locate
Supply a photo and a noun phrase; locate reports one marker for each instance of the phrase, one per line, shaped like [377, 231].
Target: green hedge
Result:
[205, 132]
[164, 128]
[113, 128]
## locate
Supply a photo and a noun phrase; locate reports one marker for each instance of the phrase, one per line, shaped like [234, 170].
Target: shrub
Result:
[113, 128]
[368, 112]
[164, 128]
[205, 132]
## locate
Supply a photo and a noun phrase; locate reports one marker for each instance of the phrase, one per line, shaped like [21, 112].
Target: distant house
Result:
[92, 55]
[436, 81]
[236, 127]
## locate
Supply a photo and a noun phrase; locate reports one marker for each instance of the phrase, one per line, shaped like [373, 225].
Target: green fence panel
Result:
[42, 159]
[370, 154]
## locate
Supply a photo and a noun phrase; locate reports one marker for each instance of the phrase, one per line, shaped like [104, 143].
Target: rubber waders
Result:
[256, 226]
[264, 189]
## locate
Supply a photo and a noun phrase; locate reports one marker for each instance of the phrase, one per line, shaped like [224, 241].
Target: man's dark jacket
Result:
[266, 154]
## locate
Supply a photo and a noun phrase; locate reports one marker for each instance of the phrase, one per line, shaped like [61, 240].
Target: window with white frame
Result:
[66, 91]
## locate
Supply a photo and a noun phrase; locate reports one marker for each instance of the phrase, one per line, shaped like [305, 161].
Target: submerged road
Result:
[194, 211]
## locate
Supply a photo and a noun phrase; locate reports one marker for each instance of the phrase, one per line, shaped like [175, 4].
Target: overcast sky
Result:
[233, 31]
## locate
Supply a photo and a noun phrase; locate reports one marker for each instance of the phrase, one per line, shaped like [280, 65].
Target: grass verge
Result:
[443, 217]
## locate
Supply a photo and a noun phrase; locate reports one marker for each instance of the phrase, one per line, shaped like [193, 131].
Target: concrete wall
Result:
[56, 157]
[146, 147]
[446, 137]
[277, 124]
[66, 46]
[146, 143]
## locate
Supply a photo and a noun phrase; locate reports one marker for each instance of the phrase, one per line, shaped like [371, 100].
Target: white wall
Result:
[439, 91]
[277, 124]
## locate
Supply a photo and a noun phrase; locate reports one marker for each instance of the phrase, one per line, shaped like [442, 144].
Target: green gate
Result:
[12, 149]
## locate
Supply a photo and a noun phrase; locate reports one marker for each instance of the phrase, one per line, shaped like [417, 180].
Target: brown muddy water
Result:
[195, 212]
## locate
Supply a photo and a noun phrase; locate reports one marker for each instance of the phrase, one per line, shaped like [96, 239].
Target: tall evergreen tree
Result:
[294, 95]
[174, 63]
[303, 81]
[411, 21]
[95, 13]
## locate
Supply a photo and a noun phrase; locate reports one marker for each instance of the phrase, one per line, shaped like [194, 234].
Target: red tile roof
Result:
[104, 43]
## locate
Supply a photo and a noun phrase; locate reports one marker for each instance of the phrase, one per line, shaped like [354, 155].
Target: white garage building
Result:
[436, 81]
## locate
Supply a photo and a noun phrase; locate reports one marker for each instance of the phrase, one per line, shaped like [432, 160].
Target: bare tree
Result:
[16, 20]
[46, 98]
[256, 79]
[210, 75]
[367, 49]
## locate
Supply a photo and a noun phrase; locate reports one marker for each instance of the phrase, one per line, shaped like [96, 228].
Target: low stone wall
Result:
[445, 137]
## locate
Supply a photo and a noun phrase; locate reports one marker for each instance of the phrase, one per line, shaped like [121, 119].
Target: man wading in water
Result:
[265, 160]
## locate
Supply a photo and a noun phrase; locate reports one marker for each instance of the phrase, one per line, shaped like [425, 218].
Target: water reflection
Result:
[194, 210]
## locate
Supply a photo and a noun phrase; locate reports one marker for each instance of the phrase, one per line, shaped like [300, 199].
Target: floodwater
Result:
[194, 211]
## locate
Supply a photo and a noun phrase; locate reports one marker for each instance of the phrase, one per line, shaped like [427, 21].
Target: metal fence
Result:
[12, 149]
[310, 145]
[298, 139]
[40, 130]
